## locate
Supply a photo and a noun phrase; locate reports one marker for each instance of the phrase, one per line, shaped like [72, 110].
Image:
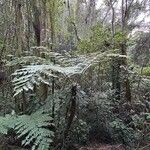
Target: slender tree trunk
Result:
[91, 13]
[18, 14]
[36, 22]
[28, 34]
[44, 24]
[113, 18]
[126, 82]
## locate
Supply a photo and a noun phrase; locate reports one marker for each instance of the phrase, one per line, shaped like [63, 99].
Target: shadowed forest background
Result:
[74, 75]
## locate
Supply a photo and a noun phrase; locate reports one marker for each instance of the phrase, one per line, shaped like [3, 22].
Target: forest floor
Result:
[9, 143]
[95, 146]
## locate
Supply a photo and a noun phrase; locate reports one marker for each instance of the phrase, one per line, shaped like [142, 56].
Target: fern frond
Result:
[32, 128]
[6, 123]
[27, 77]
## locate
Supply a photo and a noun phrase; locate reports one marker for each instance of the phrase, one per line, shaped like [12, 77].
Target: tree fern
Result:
[42, 69]
[27, 77]
[32, 129]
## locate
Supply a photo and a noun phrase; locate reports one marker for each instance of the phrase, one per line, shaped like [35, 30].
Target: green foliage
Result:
[26, 78]
[99, 40]
[6, 123]
[121, 132]
[80, 131]
[141, 49]
[143, 73]
[34, 129]
[31, 128]
[118, 38]
[146, 71]
[90, 111]
[54, 8]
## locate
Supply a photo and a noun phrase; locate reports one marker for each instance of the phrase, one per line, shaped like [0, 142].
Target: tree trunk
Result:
[126, 82]
[43, 89]
[36, 22]
[18, 14]
[116, 81]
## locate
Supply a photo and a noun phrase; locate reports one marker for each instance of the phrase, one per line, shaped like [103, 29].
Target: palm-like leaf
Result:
[32, 128]
[27, 77]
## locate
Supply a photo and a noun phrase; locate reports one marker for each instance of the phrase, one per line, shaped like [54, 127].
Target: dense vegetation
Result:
[74, 76]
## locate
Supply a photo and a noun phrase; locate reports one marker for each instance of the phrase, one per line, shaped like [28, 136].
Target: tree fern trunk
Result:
[43, 90]
[116, 82]
[123, 46]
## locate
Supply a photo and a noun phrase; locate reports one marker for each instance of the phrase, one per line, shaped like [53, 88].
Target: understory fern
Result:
[33, 129]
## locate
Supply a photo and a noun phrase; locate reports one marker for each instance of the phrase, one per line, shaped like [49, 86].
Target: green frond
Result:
[32, 128]
[65, 65]
[6, 123]
[27, 77]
